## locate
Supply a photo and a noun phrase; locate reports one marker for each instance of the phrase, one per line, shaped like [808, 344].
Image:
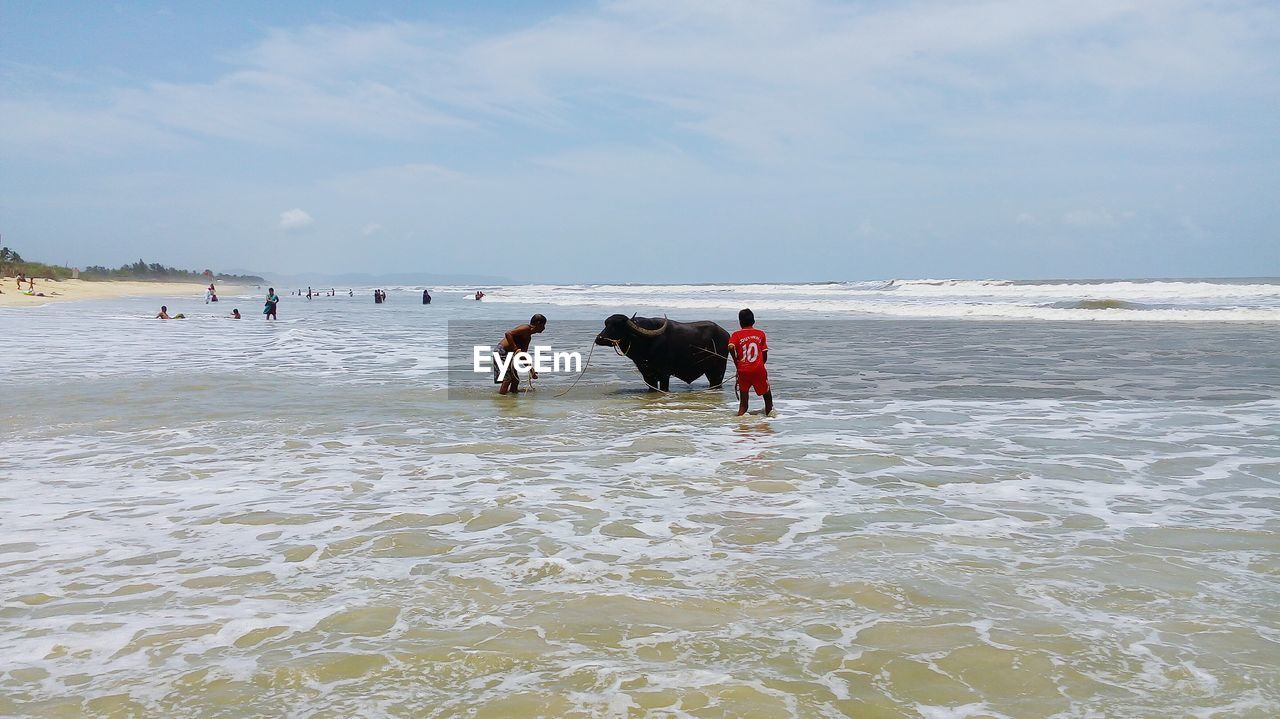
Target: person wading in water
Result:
[516, 340]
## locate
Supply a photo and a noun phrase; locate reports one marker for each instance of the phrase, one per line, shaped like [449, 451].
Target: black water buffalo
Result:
[662, 348]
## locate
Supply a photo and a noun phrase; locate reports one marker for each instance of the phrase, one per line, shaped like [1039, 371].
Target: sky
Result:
[647, 140]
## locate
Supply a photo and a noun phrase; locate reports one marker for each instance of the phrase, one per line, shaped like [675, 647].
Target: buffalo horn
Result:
[647, 333]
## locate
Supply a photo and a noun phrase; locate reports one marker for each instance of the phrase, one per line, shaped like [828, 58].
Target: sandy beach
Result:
[114, 289]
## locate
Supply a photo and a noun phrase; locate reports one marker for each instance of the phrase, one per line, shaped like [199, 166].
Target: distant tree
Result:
[141, 269]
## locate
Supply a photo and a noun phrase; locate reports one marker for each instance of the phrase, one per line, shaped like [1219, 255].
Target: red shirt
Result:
[749, 347]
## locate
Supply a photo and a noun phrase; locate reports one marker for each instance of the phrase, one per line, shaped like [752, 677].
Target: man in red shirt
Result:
[750, 351]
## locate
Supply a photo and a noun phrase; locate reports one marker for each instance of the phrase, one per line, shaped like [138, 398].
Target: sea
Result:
[1001, 499]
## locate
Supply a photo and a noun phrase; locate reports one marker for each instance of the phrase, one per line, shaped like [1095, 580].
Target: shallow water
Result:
[946, 519]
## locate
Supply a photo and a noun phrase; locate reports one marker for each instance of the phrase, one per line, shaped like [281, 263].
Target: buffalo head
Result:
[620, 329]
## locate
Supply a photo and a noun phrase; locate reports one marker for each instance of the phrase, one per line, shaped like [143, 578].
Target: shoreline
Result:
[72, 290]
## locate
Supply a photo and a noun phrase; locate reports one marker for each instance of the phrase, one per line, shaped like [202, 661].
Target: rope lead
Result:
[618, 351]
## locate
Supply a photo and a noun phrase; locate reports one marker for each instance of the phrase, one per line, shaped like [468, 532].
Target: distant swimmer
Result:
[351, 293]
[235, 314]
[517, 340]
[377, 297]
[479, 295]
[426, 297]
[750, 351]
[164, 313]
[269, 309]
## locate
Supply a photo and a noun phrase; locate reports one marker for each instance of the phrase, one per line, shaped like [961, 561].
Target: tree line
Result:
[11, 263]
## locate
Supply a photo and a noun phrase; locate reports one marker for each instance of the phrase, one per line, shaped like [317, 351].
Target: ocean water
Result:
[974, 501]
[1133, 300]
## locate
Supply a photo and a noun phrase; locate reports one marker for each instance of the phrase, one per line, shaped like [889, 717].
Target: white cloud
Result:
[1087, 218]
[761, 78]
[1095, 218]
[295, 219]
[717, 119]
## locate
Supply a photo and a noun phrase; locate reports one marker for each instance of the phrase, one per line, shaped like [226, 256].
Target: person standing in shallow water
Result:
[750, 350]
[272, 300]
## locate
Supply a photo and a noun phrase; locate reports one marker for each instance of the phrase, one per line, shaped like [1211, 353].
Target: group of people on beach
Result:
[748, 350]
[318, 293]
[273, 300]
[31, 286]
[268, 309]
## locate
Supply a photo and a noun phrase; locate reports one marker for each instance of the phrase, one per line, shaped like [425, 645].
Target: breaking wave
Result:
[1254, 300]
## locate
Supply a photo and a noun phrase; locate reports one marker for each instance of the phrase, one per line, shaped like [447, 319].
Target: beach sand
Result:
[86, 290]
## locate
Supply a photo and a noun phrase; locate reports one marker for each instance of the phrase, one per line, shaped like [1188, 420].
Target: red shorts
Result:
[757, 379]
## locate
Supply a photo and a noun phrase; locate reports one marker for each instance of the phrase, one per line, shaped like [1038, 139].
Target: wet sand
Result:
[70, 290]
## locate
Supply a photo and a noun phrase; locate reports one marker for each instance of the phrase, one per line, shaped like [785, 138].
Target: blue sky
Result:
[647, 140]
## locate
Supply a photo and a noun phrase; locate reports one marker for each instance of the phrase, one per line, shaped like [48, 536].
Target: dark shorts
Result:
[511, 368]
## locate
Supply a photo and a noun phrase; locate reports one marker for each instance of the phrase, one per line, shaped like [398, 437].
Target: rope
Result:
[616, 351]
[734, 378]
[621, 353]
[585, 365]
[627, 354]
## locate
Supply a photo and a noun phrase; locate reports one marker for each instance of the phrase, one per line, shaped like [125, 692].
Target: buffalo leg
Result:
[666, 383]
[715, 377]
